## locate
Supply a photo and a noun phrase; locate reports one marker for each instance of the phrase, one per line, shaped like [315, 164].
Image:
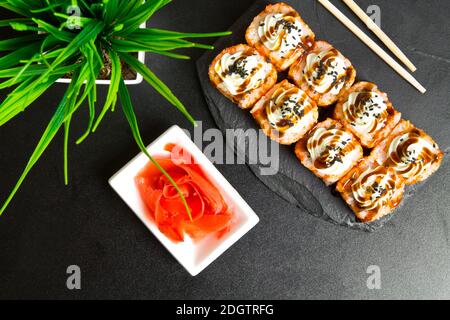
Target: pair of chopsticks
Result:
[371, 44]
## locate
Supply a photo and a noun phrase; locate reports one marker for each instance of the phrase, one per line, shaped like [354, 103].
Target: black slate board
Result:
[294, 183]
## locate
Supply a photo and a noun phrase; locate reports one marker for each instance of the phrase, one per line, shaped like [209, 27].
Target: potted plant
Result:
[83, 43]
[136, 78]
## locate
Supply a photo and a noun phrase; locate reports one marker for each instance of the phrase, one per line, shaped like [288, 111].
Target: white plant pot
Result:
[138, 80]
[139, 77]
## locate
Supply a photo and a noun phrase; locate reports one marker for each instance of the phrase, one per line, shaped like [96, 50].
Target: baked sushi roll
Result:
[411, 152]
[329, 151]
[286, 113]
[242, 75]
[280, 34]
[371, 191]
[324, 73]
[367, 113]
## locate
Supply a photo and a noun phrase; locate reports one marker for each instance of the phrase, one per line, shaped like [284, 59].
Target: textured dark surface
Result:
[289, 254]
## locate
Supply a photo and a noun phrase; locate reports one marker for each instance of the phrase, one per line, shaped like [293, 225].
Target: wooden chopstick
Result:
[372, 45]
[380, 34]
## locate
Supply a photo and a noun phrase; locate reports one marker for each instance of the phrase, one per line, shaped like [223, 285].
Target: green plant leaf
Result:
[16, 7]
[66, 150]
[34, 70]
[17, 79]
[167, 45]
[7, 22]
[154, 34]
[13, 59]
[131, 118]
[90, 31]
[157, 84]
[56, 32]
[92, 99]
[111, 11]
[50, 7]
[17, 43]
[139, 15]
[22, 97]
[111, 98]
[134, 49]
[75, 103]
[62, 113]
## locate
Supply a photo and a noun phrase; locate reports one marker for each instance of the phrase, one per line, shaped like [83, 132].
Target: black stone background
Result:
[289, 254]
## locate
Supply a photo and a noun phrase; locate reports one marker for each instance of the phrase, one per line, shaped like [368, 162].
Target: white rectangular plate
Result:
[193, 256]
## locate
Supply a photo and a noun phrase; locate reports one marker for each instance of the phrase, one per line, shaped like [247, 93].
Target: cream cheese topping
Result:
[365, 111]
[410, 154]
[289, 109]
[325, 71]
[241, 73]
[373, 188]
[280, 33]
[331, 150]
